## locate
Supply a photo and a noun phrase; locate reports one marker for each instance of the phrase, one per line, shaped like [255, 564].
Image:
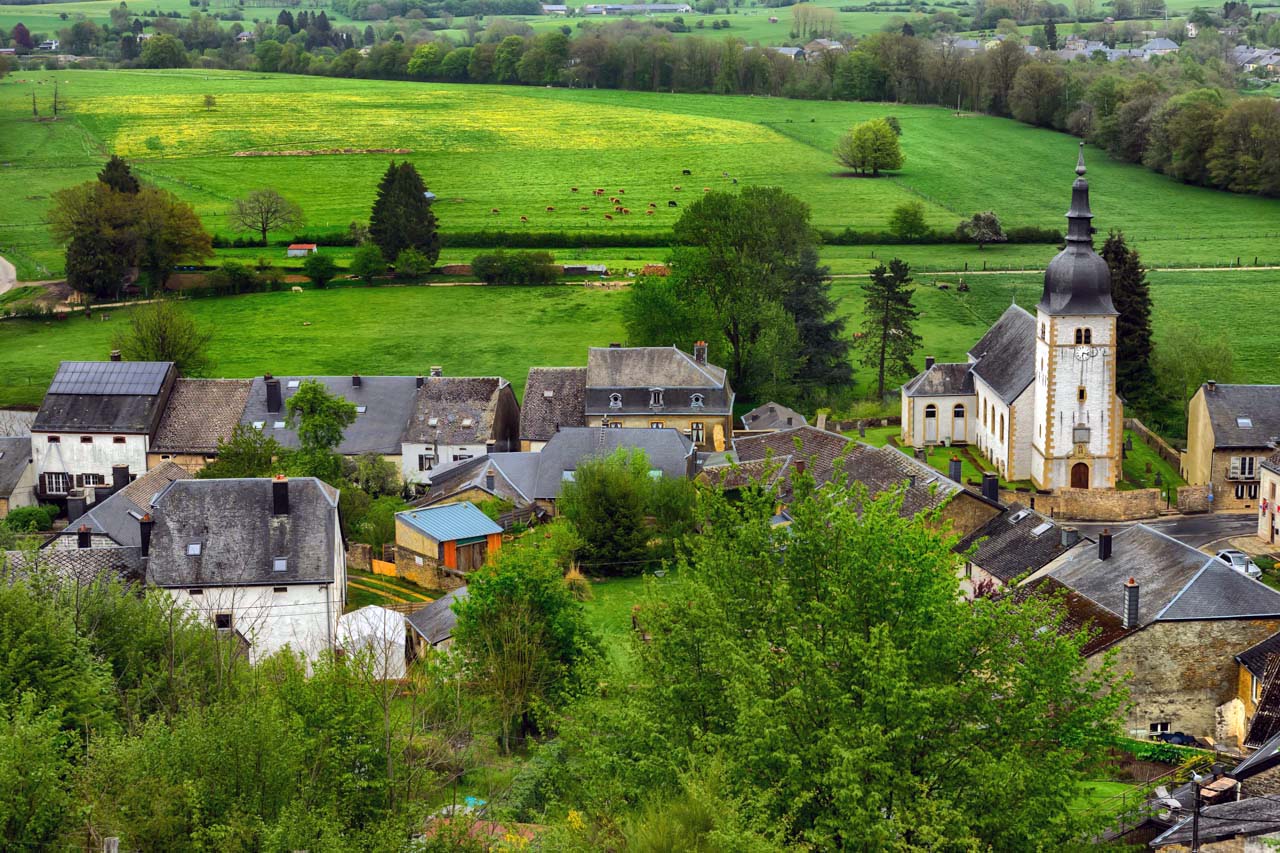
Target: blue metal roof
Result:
[450, 522]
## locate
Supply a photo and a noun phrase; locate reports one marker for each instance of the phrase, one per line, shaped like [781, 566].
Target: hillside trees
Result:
[163, 51]
[320, 269]
[888, 339]
[402, 217]
[982, 228]
[165, 331]
[907, 221]
[265, 210]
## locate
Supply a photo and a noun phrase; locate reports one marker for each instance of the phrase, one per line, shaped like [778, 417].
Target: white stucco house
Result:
[456, 418]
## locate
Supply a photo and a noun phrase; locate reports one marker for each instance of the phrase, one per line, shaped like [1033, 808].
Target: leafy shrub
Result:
[515, 268]
[412, 263]
[29, 519]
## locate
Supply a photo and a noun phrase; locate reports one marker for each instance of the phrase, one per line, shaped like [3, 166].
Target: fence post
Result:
[111, 845]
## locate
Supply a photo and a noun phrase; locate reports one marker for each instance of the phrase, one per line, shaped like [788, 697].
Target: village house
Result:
[17, 474]
[1037, 394]
[1011, 545]
[114, 518]
[554, 397]
[96, 415]
[817, 47]
[200, 413]
[1176, 618]
[1269, 489]
[438, 546]
[259, 559]
[456, 418]
[770, 417]
[1231, 431]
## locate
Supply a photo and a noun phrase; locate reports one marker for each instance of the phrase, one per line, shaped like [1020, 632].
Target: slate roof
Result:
[1079, 612]
[240, 536]
[81, 565]
[454, 402]
[1008, 545]
[15, 456]
[942, 380]
[738, 475]
[199, 414]
[1259, 403]
[1176, 582]
[1160, 44]
[1255, 657]
[881, 469]
[1005, 357]
[388, 402]
[471, 474]
[1224, 821]
[553, 397]
[667, 450]
[773, 416]
[106, 396]
[819, 448]
[117, 516]
[1272, 463]
[450, 522]
[642, 367]
[436, 621]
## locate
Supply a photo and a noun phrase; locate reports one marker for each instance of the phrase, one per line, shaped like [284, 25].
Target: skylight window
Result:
[1244, 423]
[433, 421]
[193, 549]
[467, 422]
[360, 410]
[567, 476]
[280, 564]
[278, 425]
[259, 424]
[1042, 529]
[293, 383]
[1018, 516]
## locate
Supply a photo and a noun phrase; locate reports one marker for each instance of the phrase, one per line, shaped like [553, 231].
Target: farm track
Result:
[8, 276]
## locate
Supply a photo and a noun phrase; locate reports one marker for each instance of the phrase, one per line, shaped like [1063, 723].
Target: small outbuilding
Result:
[437, 546]
[379, 633]
[301, 250]
[433, 625]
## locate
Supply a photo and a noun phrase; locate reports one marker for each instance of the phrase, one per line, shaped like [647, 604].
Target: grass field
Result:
[47, 17]
[520, 150]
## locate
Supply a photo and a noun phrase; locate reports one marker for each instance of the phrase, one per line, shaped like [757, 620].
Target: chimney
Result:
[955, 470]
[274, 401]
[799, 466]
[990, 486]
[419, 381]
[119, 477]
[76, 504]
[1211, 385]
[437, 370]
[1070, 536]
[1130, 619]
[911, 481]
[700, 352]
[144, 533]
[355, 380]
[280, 495]
[115, 355]
[84, 536]
[488, 480]
[928, 361]
[1104, 545]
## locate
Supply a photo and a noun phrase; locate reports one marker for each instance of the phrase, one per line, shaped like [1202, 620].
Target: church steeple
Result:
[1077, 282]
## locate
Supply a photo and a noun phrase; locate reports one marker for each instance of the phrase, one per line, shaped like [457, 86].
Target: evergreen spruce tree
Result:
[117, 175]
[887, 341]
[824, 348]
[1135, 380]
[401, 217]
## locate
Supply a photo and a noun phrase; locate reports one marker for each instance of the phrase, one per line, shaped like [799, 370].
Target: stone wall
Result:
[1194, 499]
[1092, 504]
[1182, 671]
[1155, 442]
[359, 557]
[423, 570]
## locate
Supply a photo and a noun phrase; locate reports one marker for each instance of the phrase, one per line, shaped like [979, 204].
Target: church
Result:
[1038, 393]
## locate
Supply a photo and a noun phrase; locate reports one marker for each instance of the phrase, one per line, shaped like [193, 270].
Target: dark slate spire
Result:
[1077, 281]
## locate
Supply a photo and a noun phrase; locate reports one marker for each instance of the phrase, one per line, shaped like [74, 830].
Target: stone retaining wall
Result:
[1092, 504]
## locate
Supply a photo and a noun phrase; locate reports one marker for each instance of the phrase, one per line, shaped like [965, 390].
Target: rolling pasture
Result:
[47, 17]
[505, 330]
[520, 151]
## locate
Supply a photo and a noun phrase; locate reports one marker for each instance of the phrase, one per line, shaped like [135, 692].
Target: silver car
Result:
[1240, 561]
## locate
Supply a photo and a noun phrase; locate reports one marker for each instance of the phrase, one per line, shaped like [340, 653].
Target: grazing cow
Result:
[648, 213]
[685, 172]
[626, 211]
[621, 191]
[613, 199]
[651, 204]
[296, 289]
[550, 209]
[599, 190]
[671, 203]
[617, 208]
[724, 174]
[706, 189]
[584, 207]
[524, 219]
[608, 217]
[735, 180]
[677, 189]
[493, 210]
[573, 189]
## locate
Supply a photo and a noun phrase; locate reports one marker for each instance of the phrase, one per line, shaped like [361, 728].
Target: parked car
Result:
[1240, 561]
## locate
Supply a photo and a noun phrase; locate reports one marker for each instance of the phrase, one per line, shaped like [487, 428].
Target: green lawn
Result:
[521, 149]
[369, 588]
[1105, 797]
[46, 19]
[1137, 460]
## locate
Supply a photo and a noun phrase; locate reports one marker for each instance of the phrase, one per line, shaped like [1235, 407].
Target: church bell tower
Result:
[1076, 442]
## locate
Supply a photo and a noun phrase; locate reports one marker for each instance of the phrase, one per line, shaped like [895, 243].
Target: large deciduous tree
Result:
[265, 210]
[1135, 379]
[402, 217]
[982, 228]
[320, 418]
[888, 340]
[164, 331]
[168, 232]
[871, 146]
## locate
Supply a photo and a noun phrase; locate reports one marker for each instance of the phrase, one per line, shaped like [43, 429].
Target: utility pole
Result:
[1195, 814]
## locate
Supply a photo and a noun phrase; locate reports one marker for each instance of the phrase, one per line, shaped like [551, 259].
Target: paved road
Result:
[1195, 530]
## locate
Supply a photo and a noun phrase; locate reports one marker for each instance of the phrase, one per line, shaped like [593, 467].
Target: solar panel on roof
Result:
[110, 377]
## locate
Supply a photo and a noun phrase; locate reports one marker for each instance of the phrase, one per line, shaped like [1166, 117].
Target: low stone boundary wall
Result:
[359, 557]
[1194, 499]
[1092, 504]
[1158, 444]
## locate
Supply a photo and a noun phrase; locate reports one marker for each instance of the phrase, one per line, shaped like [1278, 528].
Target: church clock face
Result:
[1084, 352]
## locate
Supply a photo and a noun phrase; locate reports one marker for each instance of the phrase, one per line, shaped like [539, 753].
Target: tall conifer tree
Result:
[1135, 379]
[402, 217]
[824, 347]
[117, 175]
[888, 340]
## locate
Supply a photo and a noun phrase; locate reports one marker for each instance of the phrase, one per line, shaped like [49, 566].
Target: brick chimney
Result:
[990, 486]
[115, 355]
[437, 370]
[929, 361]
[1104, 545]
[275, 402]
[1070, 536]
[955, 469]
[488, 479]
[145, 525]
[119, 477]
[84, 536]
[76, 504]
[1211, 385]
[418, 383]
[700, 352]
[280, 495]
[355, 380]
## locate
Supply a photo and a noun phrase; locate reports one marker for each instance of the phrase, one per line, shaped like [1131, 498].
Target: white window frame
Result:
[697, 432]
[655, 398]
[696, 401]
[615, 401]
[65, 482]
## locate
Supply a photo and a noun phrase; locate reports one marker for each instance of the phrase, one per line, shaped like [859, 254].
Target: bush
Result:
[30, 519]
[320, 269]
[515, 268]
[412, 263]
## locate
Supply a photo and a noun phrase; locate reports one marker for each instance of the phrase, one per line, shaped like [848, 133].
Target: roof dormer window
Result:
[696, 401]
[655, 398]
[615, 401]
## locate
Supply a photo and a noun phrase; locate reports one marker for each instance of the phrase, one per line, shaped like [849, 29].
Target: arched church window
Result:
[1084, 336]
[958, 414]
[931, 411]
[1002, 427]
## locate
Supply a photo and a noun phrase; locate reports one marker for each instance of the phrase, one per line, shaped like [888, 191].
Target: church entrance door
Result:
[1080, 476]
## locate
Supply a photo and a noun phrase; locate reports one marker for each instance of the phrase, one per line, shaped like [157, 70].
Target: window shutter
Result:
[1235, 468]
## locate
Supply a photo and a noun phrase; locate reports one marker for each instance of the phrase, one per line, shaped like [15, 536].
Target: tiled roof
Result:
[463, 408]
[450, 522]
[553, 397]
[15, 456]
[117, 516]
[942, 380]
[1272, 463]
[199, 414]
[773, 416]
[436, 621]
[108, 396]
[766, 472]
[1005, 357]
[1249, 817]
[81, 565]
[818, 448]
[1079, 612]
[644, 367]
[1015, 542]
[1255, 657]
[881, 469]
[241, 537]
[1228, 404]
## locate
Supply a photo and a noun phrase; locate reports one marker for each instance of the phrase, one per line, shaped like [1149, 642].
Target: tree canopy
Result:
[165, 331]
[263, 211]
[402, 217]
[872, 146]
[888, 339]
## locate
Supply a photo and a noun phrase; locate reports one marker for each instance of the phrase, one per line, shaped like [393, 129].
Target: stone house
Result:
[439, 546]
[1231, 431]
[456, 418]
[260, 559]
[97, 415]
[199, 414]
[770, 417]
[1175, 618]
[1015, 543]
[554, 398]
[1269, 492]
[17, 474]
